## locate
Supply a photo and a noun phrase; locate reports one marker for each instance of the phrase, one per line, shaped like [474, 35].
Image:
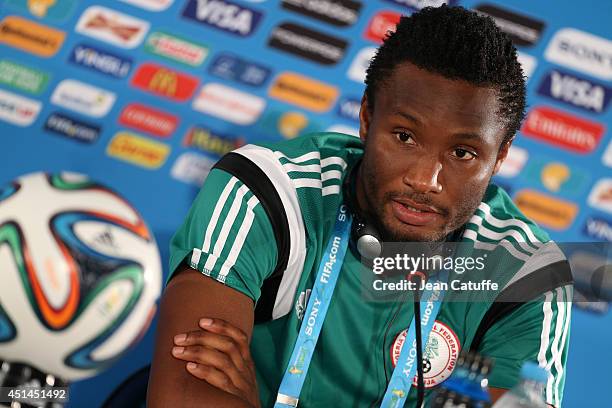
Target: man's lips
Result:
[417, 206]
[409, 212]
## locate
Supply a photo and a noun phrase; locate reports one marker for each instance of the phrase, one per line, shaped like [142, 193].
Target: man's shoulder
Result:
[308, 171]
[530, 263]
[318, 145]
[497, 218]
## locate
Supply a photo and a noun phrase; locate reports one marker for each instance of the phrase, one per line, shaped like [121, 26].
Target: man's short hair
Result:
[459, 45]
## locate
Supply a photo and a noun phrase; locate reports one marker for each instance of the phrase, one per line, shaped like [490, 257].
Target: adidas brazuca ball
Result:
[79, 275]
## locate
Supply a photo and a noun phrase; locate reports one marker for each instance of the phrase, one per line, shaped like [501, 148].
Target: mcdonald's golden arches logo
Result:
[165, 82]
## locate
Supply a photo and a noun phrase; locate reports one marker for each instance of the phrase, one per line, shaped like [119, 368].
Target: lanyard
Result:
[320, 298]
[401, 379]
[318, 304]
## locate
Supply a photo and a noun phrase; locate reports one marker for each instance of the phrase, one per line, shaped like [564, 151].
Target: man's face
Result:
[431, 147]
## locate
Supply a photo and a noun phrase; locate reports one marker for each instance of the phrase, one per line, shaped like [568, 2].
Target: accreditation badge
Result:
[439, 357]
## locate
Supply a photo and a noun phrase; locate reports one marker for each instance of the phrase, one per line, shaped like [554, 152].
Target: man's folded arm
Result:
[188, 297]
[219, 258]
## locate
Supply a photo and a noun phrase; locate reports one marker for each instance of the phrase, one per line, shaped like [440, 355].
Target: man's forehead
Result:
[412, 91]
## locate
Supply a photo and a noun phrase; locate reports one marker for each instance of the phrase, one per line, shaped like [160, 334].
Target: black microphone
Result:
[601, 282]
[419, 278]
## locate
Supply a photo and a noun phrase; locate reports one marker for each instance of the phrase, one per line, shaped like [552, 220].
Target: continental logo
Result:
[546, 210]
[229, 104]
[341, 13]
[306, 43]
[304, 92]
[165, 82]
[212, 142]
[149, 120]
[23, 78]
[581, 51]
[563, 129]
[575, 91]
[223, 15]
[524, 31]
[138, 150]
[176, 49]
[29, 36]
[380, 24]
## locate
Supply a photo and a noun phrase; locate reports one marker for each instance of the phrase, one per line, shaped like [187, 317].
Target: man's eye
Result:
[404, 137]
[463, 154]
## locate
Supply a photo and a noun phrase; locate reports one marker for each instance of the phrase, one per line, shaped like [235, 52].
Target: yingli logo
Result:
[563, 130]
[165, 82]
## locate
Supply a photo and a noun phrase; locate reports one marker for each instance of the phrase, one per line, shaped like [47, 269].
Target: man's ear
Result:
[502, 154]
[364, 118]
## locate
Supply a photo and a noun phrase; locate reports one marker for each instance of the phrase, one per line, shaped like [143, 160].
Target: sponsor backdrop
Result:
[145, 95]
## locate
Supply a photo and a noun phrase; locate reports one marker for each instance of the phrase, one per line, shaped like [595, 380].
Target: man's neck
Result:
[357, 183]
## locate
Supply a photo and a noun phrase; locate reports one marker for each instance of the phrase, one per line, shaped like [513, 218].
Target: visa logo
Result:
[349, 108]
[598, 228]
[101, 61]
[223, 15]
[575, 91]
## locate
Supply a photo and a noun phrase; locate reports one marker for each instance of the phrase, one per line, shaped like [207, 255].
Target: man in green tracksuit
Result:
[444, 98]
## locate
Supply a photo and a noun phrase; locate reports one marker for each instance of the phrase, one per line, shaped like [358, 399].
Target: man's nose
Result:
[423, 175]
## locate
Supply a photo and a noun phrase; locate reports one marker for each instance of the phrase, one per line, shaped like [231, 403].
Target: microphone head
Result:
[369, 246]
[601, 282]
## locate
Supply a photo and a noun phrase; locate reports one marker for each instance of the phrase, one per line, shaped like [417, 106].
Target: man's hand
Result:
[219, 354]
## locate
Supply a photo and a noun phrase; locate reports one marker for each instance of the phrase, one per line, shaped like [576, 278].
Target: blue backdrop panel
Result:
[145, 95]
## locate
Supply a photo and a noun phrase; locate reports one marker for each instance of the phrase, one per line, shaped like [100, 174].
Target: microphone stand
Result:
[418, 278]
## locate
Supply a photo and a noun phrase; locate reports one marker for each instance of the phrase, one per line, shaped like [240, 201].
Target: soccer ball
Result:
[80, 274]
